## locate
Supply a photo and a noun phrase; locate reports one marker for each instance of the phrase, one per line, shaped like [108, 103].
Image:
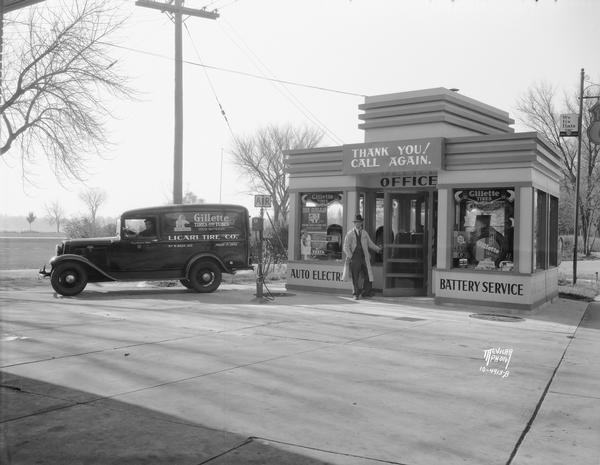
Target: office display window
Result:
[545, 230]
[484, 228]
[321, 225]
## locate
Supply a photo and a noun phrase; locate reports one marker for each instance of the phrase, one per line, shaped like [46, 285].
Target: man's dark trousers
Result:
[360, 274]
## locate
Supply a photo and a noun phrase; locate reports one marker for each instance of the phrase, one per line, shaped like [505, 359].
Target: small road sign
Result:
[257, 224]
[262, 201]
[569, 124]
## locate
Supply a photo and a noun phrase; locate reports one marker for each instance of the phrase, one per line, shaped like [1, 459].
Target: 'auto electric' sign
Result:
[393, 157]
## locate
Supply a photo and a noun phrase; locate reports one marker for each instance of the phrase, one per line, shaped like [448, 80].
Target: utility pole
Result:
[178, 10]
[591, 136]
[577, 182]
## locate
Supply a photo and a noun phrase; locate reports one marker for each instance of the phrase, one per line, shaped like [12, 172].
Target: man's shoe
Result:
[356, 297]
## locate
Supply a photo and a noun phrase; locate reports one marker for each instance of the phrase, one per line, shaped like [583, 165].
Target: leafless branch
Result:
[58, 74]
[93, 198]
[55, 214]
[261, 162]
[538, 112]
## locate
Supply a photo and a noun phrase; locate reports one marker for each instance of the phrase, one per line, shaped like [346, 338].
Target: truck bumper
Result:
[43, 273]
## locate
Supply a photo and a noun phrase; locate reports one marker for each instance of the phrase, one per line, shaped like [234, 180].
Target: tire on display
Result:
[69, 278]
[205, 276]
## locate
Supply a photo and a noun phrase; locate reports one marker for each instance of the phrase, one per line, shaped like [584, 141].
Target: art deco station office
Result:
[465, 208]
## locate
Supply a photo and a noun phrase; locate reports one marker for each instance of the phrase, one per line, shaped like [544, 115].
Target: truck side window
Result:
[139, 227]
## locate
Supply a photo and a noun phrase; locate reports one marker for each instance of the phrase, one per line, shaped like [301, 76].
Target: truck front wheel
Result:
[205, 277]
[69, 278]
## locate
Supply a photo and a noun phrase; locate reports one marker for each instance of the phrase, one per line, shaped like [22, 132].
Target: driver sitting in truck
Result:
[149, 228]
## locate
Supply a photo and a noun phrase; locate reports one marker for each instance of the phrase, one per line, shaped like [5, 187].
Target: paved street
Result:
[134, 374]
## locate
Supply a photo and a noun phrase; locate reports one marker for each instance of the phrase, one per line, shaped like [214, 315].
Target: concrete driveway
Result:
[127, 374]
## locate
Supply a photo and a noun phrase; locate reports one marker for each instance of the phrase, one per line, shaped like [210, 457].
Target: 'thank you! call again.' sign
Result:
[393, 157]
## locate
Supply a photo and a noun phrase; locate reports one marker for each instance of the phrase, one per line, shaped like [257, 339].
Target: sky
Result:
[335, 51]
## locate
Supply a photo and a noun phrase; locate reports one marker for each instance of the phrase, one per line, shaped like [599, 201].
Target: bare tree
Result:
[539, 112]
[190, 197]
[57, 71]
[93, 199]
[260, 159]
[30, 218]
[55, 214]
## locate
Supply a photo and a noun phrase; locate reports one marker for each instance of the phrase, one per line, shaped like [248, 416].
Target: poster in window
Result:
[314, 218]
[320, 225]
[484, 238]
[459, 250]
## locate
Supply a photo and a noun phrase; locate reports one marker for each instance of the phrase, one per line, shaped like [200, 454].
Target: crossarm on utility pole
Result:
[174, 9]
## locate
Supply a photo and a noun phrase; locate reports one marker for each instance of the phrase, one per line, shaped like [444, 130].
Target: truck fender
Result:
[203, 256]
[78, 258]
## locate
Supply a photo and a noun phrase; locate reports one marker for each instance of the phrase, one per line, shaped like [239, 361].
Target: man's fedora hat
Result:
[358, 219]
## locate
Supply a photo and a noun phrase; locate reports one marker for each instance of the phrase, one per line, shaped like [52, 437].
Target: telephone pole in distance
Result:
[178, 11]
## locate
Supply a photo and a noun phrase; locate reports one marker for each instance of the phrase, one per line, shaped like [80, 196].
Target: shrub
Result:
[81, 227]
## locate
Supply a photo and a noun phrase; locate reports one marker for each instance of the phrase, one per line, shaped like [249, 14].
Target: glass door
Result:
[406, 237]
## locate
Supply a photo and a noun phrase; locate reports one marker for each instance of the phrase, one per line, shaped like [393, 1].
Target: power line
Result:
[228, 4]
[212, 87]
[220, 7]
[283, 90]
[210, 4]
[243, 73]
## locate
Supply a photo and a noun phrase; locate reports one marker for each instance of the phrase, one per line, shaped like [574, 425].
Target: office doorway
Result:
[409, 243]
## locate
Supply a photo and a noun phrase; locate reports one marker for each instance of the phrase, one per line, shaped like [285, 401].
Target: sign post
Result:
[261, 278]
[261, 201]
[577, 180]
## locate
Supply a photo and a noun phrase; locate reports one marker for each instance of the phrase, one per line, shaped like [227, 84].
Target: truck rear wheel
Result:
[205, 277]
[69, 278]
